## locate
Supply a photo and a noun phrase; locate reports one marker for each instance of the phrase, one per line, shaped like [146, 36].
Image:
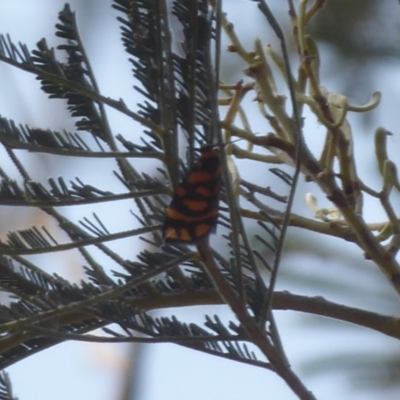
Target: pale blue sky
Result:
[91, 371]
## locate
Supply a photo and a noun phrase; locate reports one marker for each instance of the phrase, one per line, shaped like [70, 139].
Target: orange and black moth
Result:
[193, 212]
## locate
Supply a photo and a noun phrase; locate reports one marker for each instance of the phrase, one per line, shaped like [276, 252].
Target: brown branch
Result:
[282, 300]
[255, 333]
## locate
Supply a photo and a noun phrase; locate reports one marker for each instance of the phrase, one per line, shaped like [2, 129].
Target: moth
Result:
[193, 212]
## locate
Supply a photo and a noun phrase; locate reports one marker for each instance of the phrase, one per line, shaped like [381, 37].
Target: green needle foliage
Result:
[185, 105]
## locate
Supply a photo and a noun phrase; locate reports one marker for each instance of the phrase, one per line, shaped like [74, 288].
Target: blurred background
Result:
[360, 52]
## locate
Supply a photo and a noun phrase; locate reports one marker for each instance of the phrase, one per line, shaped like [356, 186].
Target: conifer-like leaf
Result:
[178, 83]
[6, 392]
